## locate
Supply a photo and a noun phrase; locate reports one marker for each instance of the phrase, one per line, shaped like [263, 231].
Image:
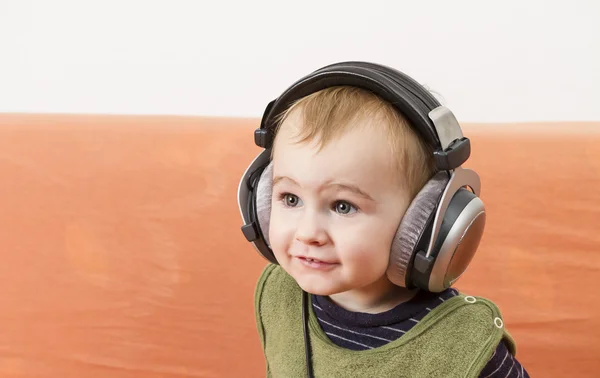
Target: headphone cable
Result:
[306, 339]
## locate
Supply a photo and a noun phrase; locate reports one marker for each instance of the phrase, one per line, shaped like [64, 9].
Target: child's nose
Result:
[311, 229]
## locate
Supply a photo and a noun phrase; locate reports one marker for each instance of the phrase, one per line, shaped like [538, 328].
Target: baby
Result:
[367, 218]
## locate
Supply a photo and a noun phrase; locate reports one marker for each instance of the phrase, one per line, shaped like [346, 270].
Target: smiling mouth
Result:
[316, 264]
[315, 260]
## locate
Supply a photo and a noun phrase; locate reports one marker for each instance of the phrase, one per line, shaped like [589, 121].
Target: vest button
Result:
[498, 322]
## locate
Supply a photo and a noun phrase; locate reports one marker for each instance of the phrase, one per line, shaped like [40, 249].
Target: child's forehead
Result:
[355, 152]
[359, 131]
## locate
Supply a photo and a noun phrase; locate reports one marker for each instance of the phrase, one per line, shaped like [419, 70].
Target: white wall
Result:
[492, 61]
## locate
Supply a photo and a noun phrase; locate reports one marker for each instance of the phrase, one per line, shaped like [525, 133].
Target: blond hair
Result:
[332, 111]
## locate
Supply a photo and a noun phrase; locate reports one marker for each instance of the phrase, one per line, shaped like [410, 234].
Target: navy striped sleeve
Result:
[503, 365]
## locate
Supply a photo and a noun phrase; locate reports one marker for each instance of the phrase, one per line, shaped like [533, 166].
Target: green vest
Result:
[456, 339]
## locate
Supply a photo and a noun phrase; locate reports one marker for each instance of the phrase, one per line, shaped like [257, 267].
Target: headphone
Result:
[442, 227]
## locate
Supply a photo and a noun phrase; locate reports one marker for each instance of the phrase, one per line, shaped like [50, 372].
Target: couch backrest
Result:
[122, 255]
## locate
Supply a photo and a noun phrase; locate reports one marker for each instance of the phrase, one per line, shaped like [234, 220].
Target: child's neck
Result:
[380, 296]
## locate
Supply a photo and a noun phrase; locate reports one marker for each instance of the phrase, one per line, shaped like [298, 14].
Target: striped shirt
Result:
[361, 331]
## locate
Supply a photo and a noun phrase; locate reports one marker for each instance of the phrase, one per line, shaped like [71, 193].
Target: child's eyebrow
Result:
[351, 188]
[340, 186]
[277, 179]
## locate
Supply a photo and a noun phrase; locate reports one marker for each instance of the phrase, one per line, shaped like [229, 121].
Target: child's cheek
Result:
[280, 229]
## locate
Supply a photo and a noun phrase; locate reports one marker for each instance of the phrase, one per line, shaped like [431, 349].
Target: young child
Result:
[327, 203]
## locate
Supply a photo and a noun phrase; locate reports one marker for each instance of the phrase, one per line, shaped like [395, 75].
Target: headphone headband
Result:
[413, 101]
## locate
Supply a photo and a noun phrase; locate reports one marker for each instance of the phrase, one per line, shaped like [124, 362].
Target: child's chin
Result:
[315, 289]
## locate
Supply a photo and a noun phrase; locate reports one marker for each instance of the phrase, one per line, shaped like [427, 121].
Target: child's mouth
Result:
[315, 264]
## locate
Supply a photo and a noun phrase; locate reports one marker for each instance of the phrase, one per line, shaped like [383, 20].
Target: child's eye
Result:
[290, 200]
[344, 207]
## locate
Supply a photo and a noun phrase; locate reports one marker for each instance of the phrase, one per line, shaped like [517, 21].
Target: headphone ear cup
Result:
[460, 233]
[418, 216]
[264, 195]
[254, 202]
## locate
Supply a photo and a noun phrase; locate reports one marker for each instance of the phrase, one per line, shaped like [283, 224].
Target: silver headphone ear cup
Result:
[245, 186]
[255, 207]
[411, 230]
[458, 240]
[264, 195]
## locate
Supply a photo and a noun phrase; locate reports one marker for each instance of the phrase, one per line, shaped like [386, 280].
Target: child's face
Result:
[341, 206]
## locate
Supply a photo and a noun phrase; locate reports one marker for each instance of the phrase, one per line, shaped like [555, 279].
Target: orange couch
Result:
[122, 255]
